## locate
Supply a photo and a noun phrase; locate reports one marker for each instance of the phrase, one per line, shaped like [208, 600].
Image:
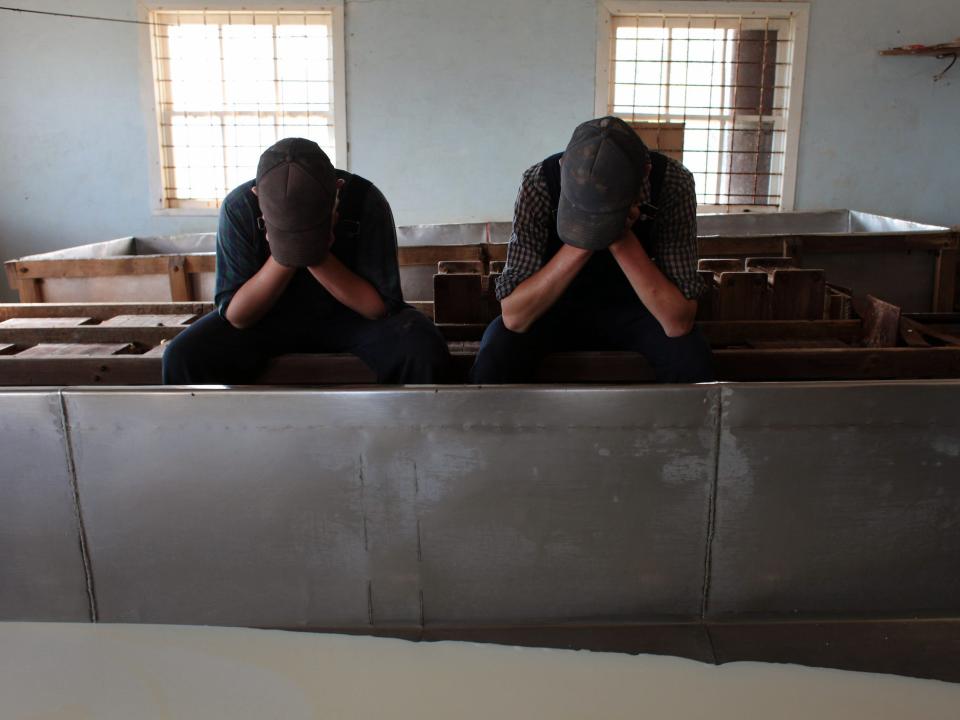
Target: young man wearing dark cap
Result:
[603, 256]
[306, 262]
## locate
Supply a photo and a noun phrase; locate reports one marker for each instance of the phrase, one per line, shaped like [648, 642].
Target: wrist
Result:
[279, 268]
[623, 242]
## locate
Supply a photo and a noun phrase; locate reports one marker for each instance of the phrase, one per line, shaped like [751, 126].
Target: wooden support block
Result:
[140, 321]
[769, 263]
[881, 321]
[458, 298]
[49, 350]
[497, 266]
[909, 334]
[13, 280]
[945, 282]
[7, 348]
[720, 265]
[454, 267]
[798, 294]
[742, 296]
[31, 290]
[913, 327]
[180, 290]
[50, 322]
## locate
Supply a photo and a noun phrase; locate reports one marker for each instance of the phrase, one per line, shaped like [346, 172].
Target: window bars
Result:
[229, 85]
[712, 92]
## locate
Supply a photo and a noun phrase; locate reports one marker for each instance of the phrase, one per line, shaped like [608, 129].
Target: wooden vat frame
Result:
[27, 276]
[743, 350]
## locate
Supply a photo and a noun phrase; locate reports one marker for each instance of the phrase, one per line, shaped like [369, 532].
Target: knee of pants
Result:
[504, 356]
[423, 351]
[691, 360]
[176, 360]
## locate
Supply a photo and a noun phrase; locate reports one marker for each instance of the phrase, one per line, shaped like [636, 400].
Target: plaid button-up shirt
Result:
[675, 234]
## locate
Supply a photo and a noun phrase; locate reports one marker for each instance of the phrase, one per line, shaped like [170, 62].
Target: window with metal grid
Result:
[229, 85]
[715, 92]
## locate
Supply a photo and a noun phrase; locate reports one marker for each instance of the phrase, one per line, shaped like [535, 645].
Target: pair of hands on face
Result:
[330, 240]
[626, 236]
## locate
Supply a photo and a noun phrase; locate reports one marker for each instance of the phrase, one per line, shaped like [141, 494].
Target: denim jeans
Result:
[405, 347]
[510, 357]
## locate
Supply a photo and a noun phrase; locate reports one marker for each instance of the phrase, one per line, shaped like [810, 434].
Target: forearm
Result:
[662, 298]
[259, 294]
[349, 288]
[537, 294]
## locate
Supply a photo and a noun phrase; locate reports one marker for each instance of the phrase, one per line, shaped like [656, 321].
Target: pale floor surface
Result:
[78, 671]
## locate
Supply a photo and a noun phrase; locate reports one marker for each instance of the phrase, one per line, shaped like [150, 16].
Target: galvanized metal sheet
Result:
[452, 234]
[41, 564]
[805, 222]
[396, 507]
[223, 508]
[838, 498]
[551, 504]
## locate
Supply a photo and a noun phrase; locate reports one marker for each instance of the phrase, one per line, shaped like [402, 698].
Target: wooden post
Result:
[180, 290]
[31, 290]
[945, 282]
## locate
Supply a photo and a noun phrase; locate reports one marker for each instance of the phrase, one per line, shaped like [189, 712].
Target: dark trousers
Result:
[509, 357]
[405, 347]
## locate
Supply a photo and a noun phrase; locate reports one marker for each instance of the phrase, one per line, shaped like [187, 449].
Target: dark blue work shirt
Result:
[369, 249]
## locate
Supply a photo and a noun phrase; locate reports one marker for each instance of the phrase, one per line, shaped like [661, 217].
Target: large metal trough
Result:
[910, 264]
[814, 523]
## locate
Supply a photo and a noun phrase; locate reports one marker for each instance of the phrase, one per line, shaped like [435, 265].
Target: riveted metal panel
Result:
[41, 564]
[559, 504]
[838, 498]
[223, 508]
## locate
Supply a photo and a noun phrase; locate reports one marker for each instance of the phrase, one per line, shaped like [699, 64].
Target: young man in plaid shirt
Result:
[603, 256]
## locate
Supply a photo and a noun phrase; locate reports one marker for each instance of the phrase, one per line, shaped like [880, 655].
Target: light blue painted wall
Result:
[448, 101]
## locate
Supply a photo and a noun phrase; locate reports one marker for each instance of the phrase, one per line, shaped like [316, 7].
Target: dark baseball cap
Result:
[296, 187]
[600, 178]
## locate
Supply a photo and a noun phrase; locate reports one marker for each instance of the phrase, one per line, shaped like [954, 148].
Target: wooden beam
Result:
[945, 282]
[180, 289]
[54, 322]
[837, 364]
[101, 311]
[432, 254]
[722, 333]
[920, 329]
[146, 336]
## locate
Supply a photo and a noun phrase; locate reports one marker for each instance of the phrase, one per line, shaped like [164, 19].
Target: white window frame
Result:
[148, 79]
[798, 12]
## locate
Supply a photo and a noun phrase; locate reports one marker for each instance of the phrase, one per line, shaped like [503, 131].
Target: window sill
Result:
[185, 212]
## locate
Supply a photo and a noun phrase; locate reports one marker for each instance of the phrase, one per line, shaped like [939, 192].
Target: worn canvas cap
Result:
[600, 178]
[296, 188]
